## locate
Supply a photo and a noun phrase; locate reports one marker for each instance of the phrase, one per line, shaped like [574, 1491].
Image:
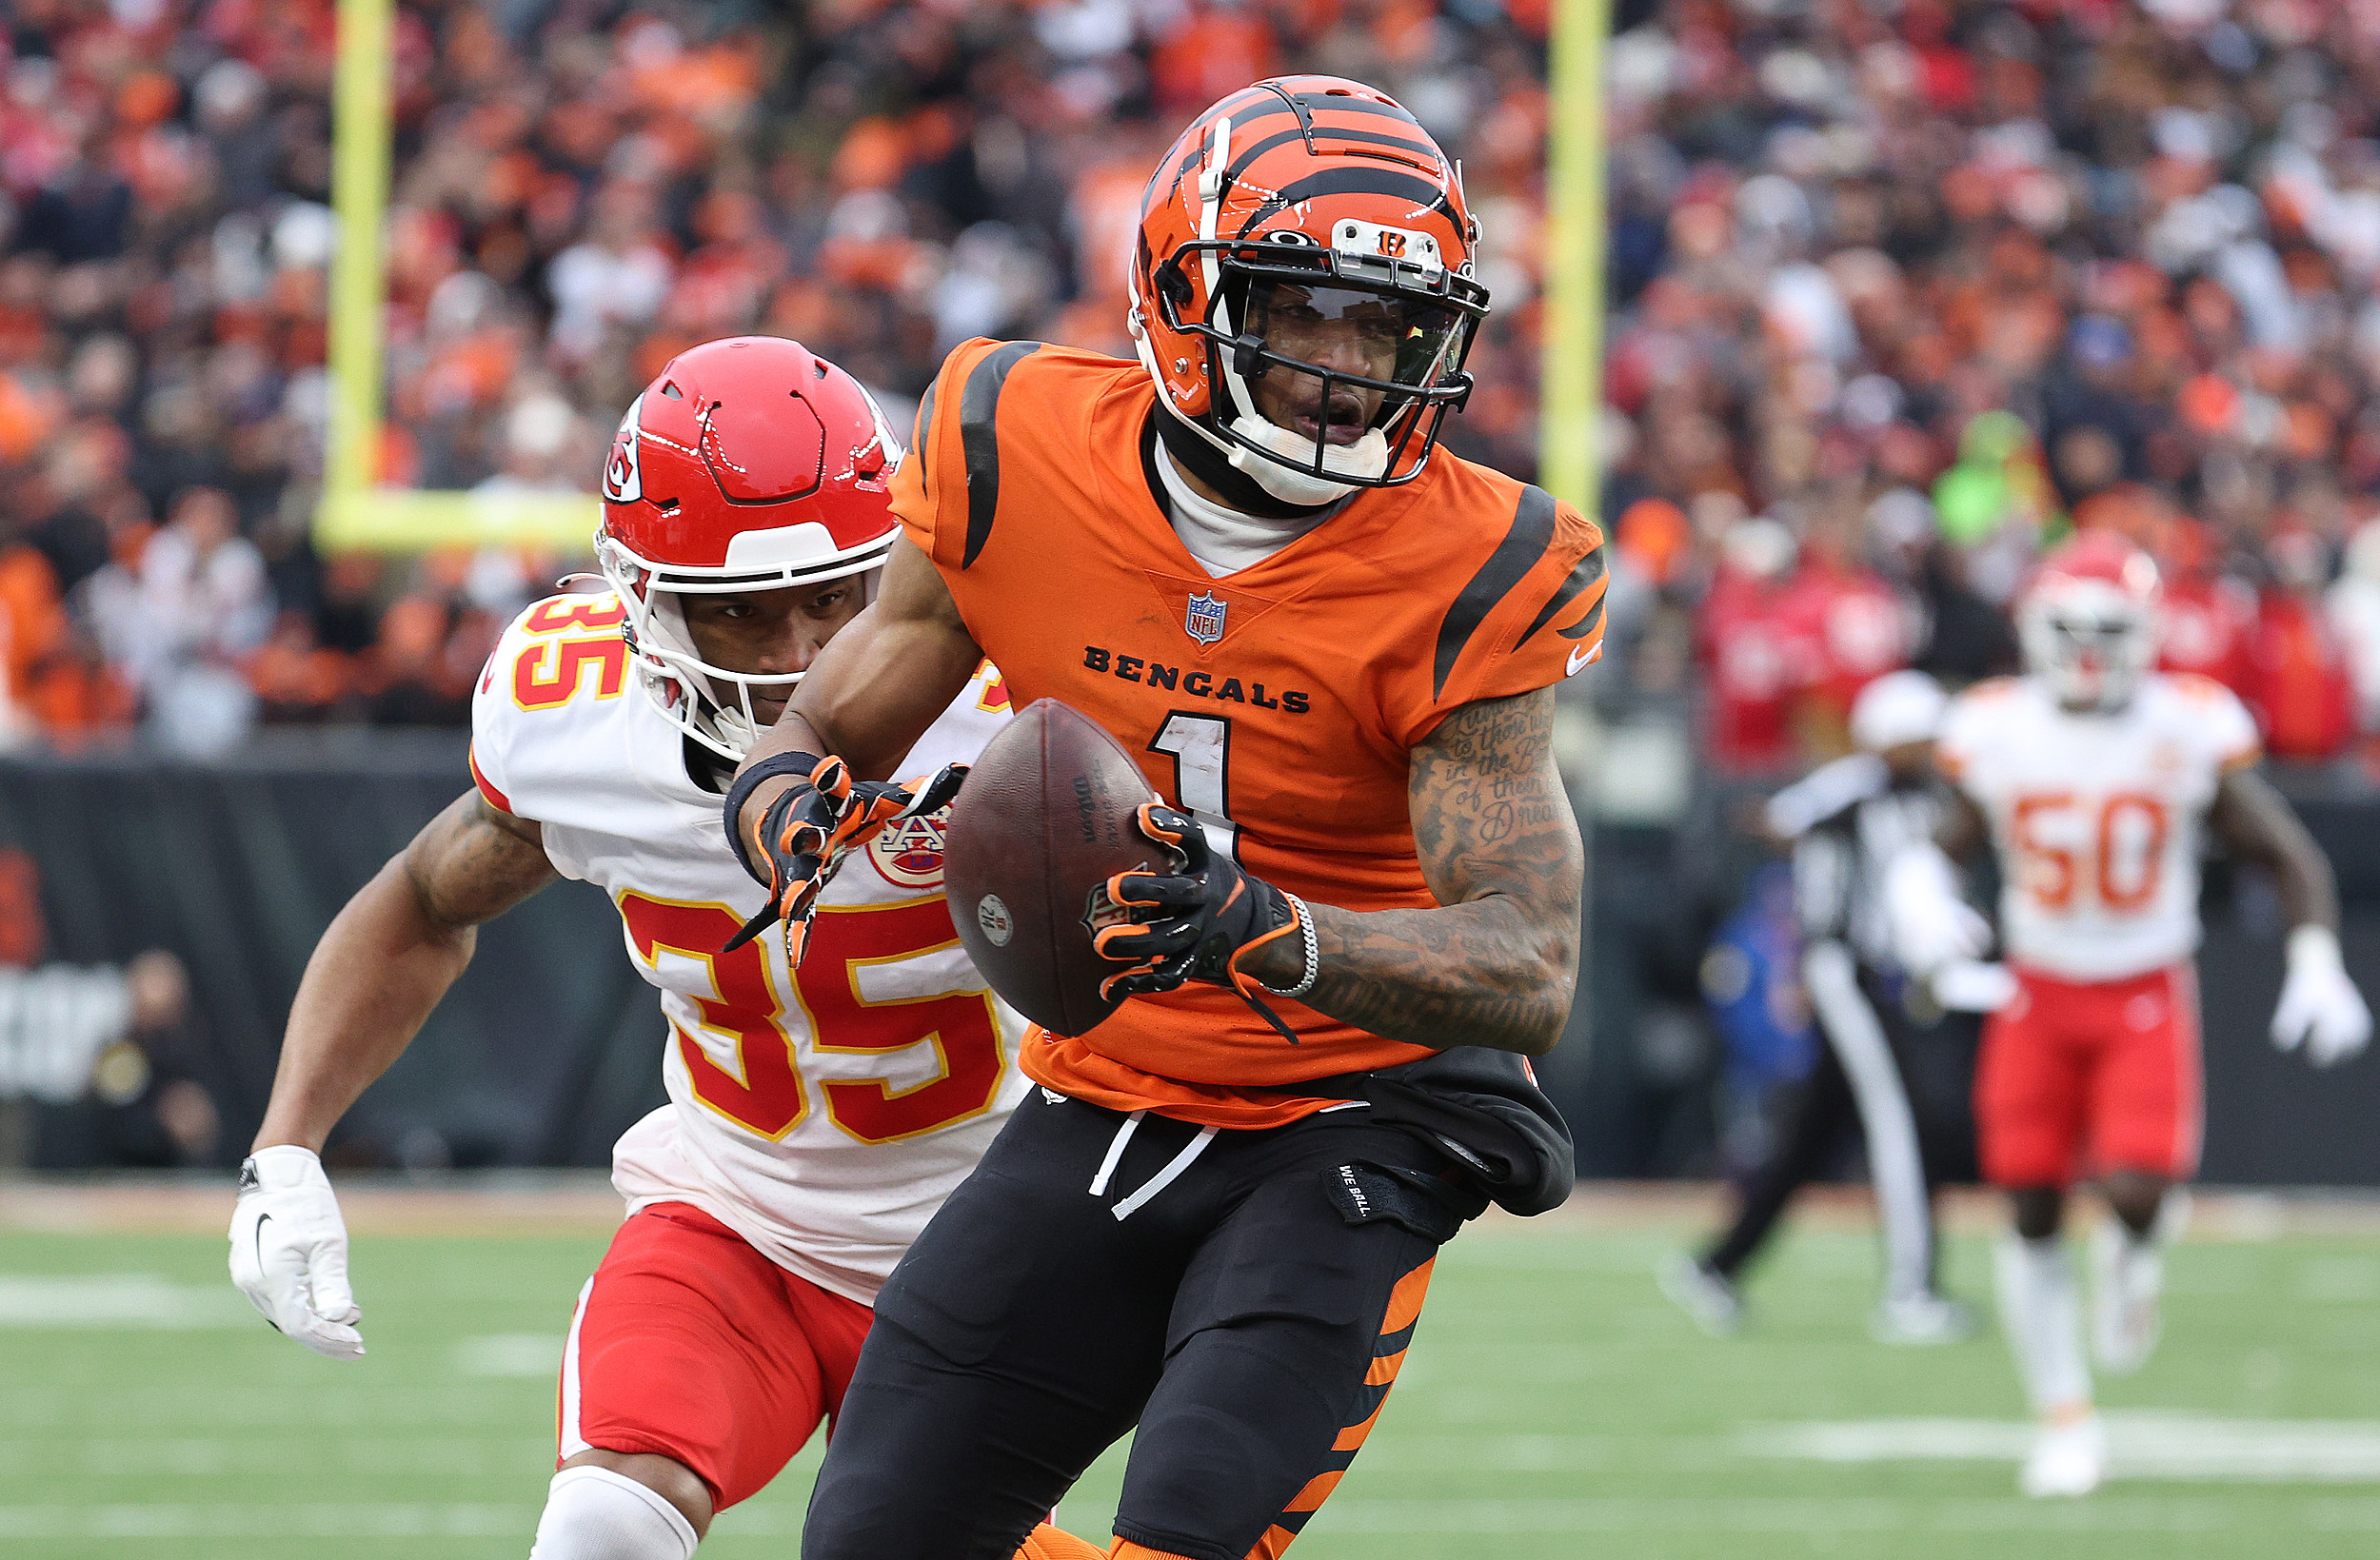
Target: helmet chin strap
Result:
[1367, 457]
[1247, 490]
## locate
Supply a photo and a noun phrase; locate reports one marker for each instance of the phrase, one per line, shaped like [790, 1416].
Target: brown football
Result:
[1044, 820]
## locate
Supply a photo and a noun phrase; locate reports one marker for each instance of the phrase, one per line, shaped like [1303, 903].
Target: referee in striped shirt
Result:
[1845, 821]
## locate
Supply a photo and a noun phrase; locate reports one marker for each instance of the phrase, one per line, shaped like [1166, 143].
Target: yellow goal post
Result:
[356, 514]
[1570, 374]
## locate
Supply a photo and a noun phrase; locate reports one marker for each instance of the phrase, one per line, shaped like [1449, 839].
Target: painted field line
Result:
[2141, 1445]
[537, 1355]
[127, 1301]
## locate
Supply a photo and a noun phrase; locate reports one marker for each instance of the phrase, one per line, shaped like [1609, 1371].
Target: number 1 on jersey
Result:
[1200, 748]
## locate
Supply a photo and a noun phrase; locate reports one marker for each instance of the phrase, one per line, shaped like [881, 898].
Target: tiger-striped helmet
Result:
[1301, 292]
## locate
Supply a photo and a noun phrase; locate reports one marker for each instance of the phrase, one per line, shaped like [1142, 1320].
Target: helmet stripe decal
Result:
[1328, 102]
[1531, 533]
[978, 405]
[1428, 156]
[1424, 195]
[1587, 571]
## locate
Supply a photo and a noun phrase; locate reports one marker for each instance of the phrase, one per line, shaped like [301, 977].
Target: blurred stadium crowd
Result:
[1902, 289]
[1907, 290]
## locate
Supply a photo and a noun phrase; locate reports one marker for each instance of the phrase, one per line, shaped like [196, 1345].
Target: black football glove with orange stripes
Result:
[1198, 921]
[808, 831]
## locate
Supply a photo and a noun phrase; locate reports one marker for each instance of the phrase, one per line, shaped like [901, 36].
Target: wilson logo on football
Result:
[910, 854]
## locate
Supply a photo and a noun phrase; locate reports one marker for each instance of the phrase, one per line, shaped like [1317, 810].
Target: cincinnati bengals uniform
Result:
[2098, 821]
[815, 1120]
[1280, 703]
[1186, 1229]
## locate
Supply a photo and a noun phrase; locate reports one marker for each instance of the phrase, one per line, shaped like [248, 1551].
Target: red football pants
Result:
[690, 1344]
[2083, 1078]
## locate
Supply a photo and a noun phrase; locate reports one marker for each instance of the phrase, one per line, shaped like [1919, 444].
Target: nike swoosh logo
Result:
[1580, 657]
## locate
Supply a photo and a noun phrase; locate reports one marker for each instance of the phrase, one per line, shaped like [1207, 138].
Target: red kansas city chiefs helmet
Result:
[749, 464]
[1297, 211]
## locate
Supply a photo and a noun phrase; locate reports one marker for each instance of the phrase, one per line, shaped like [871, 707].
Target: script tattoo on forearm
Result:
[1497, 964]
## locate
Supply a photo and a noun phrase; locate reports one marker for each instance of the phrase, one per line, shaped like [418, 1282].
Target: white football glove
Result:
[289, 1251]
[1968, 986]
[1931, 925]
[2320, 1006]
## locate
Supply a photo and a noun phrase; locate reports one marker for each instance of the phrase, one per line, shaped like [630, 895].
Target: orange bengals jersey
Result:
[1280, 703]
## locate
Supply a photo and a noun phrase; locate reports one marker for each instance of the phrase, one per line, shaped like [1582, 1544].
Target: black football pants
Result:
[1248, 1314]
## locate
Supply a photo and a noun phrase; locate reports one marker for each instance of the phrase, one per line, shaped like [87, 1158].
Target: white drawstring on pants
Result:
[1159, 1182]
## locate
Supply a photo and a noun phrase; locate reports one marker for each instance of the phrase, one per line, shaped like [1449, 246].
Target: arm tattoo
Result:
[472, 864]
[1496, 963]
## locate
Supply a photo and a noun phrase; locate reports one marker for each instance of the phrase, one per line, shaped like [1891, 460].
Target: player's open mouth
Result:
[1344, 427]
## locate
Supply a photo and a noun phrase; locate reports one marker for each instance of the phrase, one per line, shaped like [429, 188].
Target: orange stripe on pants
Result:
[1404, 1301]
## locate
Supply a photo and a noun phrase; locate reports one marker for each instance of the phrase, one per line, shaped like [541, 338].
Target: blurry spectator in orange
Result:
[2300, 687]
[433, 641]
[77, 698]
[297, 681]
[1214, 47]
[2210, 618]
[1650, 597]
[32, 625]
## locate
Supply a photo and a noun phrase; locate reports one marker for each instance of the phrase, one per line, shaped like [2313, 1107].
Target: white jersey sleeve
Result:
[2226, 733]
[550, 698]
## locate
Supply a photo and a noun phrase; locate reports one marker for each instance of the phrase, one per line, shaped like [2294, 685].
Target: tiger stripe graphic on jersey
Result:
[1531, 533]
[978, 406]
[1587, 573]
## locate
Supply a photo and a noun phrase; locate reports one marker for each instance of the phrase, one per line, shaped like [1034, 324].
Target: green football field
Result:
[1554, 1405]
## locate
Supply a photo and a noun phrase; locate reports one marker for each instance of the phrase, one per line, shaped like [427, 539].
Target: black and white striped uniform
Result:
[1846, 821]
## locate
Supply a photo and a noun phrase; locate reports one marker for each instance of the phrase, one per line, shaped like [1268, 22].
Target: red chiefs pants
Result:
[690, 1344]
[2081, 1077]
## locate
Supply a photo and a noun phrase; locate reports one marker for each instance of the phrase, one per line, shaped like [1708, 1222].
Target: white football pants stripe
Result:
[1853, 1029]
[572, 1442]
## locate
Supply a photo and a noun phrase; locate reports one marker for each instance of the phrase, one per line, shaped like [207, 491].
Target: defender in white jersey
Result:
[2095, 779]
[816, 1120]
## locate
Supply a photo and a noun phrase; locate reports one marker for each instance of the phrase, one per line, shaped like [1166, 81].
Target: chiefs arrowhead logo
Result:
[908, 854]
[624, 480]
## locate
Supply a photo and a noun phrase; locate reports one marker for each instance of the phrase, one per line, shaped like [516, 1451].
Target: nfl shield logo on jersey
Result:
[1204, 621]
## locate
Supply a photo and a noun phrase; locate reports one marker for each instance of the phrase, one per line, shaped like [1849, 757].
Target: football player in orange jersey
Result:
[772, 1194]
[1334, 647]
